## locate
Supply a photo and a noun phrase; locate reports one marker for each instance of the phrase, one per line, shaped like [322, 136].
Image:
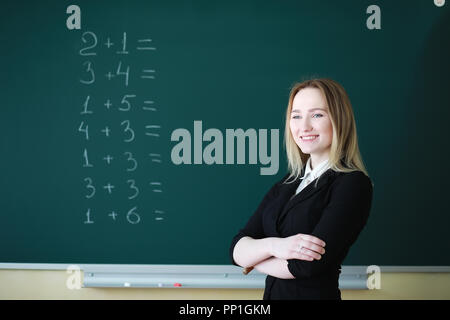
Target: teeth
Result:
[309, 138]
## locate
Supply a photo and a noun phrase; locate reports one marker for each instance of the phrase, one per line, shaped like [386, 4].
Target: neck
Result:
[316, 161]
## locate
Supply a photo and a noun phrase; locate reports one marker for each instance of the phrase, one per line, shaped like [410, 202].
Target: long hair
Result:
[344, 152]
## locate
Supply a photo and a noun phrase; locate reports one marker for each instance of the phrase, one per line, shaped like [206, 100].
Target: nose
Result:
[305, 125]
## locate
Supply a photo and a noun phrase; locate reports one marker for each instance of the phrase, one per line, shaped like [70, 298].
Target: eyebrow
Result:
[298, 111]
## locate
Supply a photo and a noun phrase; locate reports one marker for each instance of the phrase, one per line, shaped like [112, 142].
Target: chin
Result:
[306, 150]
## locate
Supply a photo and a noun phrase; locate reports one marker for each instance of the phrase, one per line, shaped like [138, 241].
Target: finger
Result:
[310, 254]
[305, 257]
[306, 253]
[313, 239]
[313, 247]
[310, 246]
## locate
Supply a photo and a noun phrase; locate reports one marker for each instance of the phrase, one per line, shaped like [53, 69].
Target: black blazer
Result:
[335, 211]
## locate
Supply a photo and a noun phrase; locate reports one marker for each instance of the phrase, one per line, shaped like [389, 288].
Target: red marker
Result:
[177, 284]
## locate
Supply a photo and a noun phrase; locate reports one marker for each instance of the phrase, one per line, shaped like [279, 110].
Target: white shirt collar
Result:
[317, 171]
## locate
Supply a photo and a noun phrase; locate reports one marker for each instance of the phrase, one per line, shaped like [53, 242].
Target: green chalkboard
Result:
[150, 134]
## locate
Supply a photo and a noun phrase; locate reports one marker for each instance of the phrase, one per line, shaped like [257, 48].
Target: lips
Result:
[309, 138]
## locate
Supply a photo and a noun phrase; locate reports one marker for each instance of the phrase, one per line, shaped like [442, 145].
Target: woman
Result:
[304, 226]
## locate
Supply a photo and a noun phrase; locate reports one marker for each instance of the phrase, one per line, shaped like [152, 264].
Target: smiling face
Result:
[311, 125]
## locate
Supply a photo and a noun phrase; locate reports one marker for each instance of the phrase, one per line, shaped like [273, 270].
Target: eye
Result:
[318, 115]
[295, 117]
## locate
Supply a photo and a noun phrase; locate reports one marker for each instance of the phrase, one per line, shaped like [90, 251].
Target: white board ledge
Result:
[200, 276]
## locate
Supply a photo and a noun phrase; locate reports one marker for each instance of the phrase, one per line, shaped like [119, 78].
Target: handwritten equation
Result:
[130, 106]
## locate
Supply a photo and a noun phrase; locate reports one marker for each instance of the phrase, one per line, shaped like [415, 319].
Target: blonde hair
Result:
[344, 152]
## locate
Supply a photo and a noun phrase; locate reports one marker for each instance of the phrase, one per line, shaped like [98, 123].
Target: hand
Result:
[289, 248]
